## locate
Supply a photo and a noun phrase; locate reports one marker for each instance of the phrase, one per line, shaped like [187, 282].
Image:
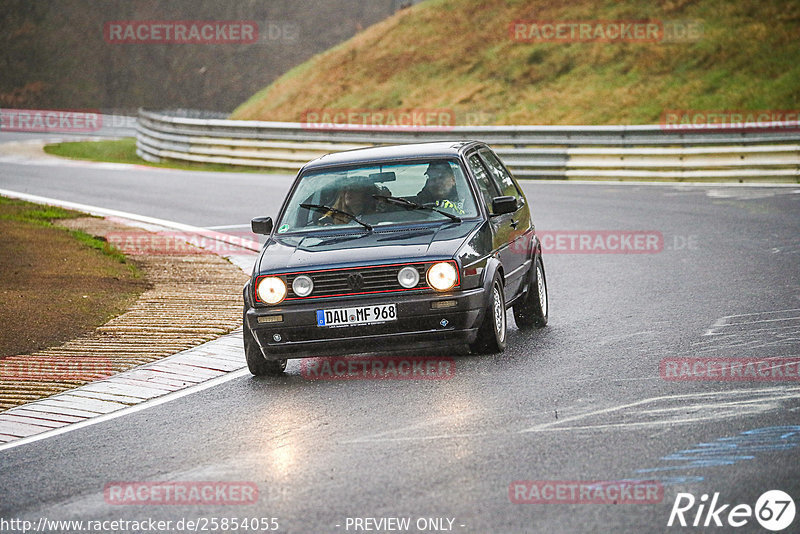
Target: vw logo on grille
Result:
[355, 281]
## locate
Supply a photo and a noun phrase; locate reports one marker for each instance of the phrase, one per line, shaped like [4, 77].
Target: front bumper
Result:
[418, 325]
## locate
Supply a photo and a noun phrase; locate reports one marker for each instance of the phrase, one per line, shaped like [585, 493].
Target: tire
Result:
[255, 359]
[533, 309]
[493, 331]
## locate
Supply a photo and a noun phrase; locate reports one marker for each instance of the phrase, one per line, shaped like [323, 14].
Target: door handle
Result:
[514, 224]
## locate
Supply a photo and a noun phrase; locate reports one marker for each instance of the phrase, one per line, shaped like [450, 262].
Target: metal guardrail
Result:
[771, 152]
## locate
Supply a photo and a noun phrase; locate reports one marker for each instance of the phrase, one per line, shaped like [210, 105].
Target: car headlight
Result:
[408, 277]
[303, 286]
[271, 290]
[442, 276]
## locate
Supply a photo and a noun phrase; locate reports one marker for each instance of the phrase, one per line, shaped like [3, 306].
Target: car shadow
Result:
[440, 364]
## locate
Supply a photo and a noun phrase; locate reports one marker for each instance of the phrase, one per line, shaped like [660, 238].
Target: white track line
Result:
[105, 212]
[127, 411]
[780, 393]
[611, 181]
[228, 226]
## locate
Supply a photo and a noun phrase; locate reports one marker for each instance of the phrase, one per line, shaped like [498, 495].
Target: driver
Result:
[440, 189]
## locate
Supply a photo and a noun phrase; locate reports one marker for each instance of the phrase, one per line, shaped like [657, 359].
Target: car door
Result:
[515, 227]
[501, 228]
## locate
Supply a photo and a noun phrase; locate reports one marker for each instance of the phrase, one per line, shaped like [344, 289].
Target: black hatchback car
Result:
[394, 247]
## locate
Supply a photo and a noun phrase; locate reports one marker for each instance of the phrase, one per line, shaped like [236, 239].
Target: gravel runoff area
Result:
[194, 297]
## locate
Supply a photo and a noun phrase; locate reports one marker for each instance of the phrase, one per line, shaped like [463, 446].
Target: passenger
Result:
[355, 199]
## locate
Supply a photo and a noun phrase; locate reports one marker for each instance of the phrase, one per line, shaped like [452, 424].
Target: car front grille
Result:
[358, 281]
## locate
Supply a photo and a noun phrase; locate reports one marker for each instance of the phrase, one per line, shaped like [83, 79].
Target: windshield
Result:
[379, 195]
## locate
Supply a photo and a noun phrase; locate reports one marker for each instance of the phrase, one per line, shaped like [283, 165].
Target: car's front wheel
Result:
[492, 332]
[532, 310]
[255, 360]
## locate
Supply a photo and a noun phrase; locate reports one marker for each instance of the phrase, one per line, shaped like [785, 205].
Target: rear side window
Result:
[487, 188]
[500, 175]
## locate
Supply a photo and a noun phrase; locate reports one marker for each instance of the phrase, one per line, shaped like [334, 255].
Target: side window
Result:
[487, 188]
[499, 173]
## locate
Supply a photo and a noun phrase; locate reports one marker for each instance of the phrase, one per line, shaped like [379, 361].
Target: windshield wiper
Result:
[408, 204]
[340, 239]
[321, 207]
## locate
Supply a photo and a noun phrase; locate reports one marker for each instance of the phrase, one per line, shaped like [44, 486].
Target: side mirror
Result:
[501, 205]
[261, 225]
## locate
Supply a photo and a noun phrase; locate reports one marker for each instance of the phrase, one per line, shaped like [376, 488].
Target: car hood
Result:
[282, 253]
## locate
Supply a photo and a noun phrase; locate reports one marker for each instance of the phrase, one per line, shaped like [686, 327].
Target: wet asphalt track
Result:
[581, 399]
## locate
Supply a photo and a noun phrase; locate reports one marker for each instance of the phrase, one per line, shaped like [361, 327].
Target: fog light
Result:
[302, 286]
[408, 277]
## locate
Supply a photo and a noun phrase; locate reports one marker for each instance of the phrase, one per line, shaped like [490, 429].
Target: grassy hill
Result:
[459, 55]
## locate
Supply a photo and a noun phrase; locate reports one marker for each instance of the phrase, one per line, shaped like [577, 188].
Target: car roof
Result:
[390, 152]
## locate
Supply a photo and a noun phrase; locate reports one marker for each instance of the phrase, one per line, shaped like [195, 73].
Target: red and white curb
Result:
[181, 374]
[117, 395]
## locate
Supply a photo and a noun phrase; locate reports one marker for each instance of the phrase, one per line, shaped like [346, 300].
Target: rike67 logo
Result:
[774, 510]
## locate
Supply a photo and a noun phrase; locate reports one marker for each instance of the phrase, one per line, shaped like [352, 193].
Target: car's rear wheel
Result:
[492, 332]
[532, 310]
[255, 360]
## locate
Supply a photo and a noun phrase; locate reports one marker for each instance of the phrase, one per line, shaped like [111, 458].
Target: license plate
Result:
[382, 313]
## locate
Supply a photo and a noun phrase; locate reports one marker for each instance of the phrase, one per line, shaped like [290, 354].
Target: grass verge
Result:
[56, 284]
[124, 151]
